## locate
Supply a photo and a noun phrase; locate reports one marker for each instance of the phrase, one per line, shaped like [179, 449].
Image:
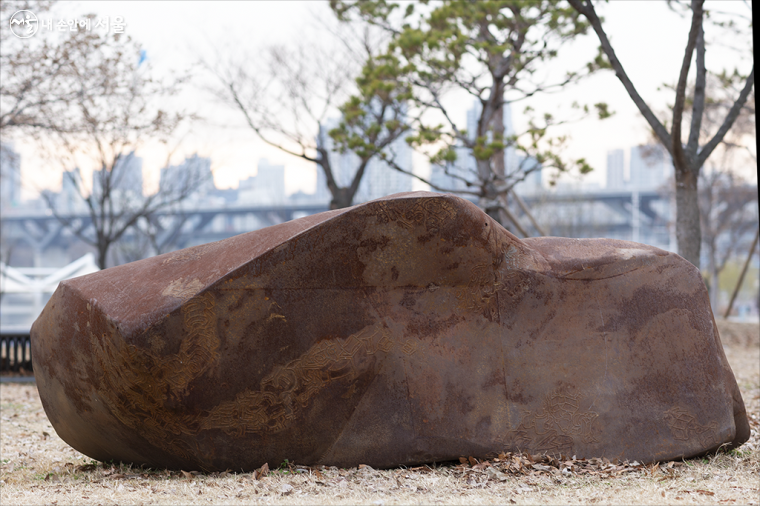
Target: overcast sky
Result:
[649, 40]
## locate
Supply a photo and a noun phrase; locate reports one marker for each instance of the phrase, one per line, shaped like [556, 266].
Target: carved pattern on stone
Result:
[429, 212]
[552, 429]
[480, 294]
[684, 426]
[155, 379]
[140, 382]
[290, 387]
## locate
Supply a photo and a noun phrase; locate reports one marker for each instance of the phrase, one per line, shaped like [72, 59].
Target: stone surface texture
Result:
[405, 330]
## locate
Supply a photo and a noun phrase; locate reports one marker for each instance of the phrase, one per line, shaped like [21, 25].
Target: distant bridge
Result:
[643, 216]
[41, 229]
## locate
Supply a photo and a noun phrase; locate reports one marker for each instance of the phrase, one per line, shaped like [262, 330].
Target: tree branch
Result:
[676, 150]
[392, 163]
[524, 207]
[699, 98]
[256, 129]
[708, 148]
[587, 9]
[504, 208]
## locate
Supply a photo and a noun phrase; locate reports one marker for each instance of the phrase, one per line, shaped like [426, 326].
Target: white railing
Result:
[26, 290]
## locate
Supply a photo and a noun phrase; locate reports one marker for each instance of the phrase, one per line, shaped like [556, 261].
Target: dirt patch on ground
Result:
[38, 467]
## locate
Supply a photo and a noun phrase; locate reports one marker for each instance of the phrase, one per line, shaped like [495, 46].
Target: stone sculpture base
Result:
[406, 330]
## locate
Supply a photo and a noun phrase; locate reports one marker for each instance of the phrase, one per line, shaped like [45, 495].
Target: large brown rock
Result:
[409, 329]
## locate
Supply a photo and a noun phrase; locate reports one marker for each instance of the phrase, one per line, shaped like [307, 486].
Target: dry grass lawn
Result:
[39, 468]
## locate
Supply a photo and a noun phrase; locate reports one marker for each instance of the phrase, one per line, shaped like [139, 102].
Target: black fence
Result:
[15, 353]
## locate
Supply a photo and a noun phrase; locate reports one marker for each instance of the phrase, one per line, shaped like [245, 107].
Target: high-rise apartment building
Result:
[379, 178]
[128, 174]
[192, 176]
[456, 176]
[616, 169]
[650, 167]
[70, 200]
[266, 188]
[10, 176]
[322, 192]
[124, 181]
[533, 179]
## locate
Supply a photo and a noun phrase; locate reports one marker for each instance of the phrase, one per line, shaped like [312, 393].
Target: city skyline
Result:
[643, 167]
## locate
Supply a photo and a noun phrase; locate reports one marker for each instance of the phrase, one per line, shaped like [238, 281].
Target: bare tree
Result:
[288, 96]
[727, 203]
[688, 157]
[31, 72]
[88, 101]
[728, 219]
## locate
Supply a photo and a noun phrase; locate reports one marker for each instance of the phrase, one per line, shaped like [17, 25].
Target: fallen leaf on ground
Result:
[262, 471]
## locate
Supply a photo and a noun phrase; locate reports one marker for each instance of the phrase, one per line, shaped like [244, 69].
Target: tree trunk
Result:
[341, 197]
[688, 230]
[498, 161]
[497, 124]
[102, 254]
[714, 283]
